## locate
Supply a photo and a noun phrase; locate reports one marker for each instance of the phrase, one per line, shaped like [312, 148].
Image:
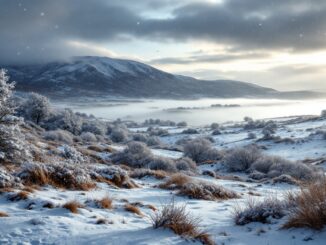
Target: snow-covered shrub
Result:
[162, 163]
[201, 150]
[37, 108]
[153, 141]
[64, 119]
[140, 173]
[88, 137]
[190, 131]
[59, 136]
[256, 124]
[94, 126]
[61, 175]
[269, 130]
[119, 135]
[71, 154]
[251, 136]
[182, 124]
[157, 131]
[197, 189]
[140, 137]
[13, 147]
[215, 126]
[112, 175]
[7, 179]
[136, 155]
[216, 132]
[158, 122]
[264, 211]
[240, 159]
[185, 164]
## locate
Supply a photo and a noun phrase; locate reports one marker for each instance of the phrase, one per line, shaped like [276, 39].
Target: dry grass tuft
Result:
[197, 189]
[177, 219]
[133, 209]
[105, 203]
[22, 195]
[73, 206]
[3, 214]
[308, 207]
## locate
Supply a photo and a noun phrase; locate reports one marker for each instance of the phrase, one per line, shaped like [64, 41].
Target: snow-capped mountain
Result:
[102, 76]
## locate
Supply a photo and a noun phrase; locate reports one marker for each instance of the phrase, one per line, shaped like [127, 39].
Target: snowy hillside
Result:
[93, 76]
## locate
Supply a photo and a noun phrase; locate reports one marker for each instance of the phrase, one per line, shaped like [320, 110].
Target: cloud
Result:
[39, 30]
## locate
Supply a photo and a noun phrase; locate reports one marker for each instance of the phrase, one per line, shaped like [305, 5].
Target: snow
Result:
[41, 225]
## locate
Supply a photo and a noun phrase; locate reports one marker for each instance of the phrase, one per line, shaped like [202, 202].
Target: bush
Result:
[162, 163]
[119, 135]
[94, 126]
[71, 154]
[309, 207]
[182, 124]
[177, 219]
[157, 131]
[73, 206]
[136, 155]
[185, 164]
[190, 131]
[8, 180]
[88, 137]
[215, 126]
[200, 150]
[59, 135]
[240, 159]
[263, 212]
[197, 189]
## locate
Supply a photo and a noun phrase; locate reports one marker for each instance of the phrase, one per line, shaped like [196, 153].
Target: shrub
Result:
[200, 150]
[240, 159]
[309, 207]
[185, 164]
[73, 206]
[215, 126]
[144, 172]
[59, 175]
[22, 195]
[8, 180]
[252, 136]
[197, 189]
[177, 219]
[182, 124]
[94, 126]
[263, 211]
[136, 154]
[190, 131]
[162, 163]
[157, 131]
[88, 137]
[119, 135]
[216, 132]
[71, 154]
[59, 135]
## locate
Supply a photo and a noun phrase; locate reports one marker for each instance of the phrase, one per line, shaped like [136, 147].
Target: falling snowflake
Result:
[42, 14]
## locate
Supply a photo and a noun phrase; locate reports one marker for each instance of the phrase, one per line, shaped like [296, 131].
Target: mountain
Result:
[106, 77]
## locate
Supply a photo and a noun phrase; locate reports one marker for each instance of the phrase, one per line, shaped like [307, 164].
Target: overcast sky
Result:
[275, 43]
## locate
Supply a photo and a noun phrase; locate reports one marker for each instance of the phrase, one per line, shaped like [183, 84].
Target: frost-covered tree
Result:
[38, 108]
[12, 143]
[6, 88]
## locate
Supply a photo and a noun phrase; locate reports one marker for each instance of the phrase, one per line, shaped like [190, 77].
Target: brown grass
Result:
[141, 173]
[73, 206]
[3, 214]
[133, 209]
[309, 207]
[37, 176]
[177, 219]
[197, 189]
[6, 190]
[105, 203]
[22, 195]
[176, 180]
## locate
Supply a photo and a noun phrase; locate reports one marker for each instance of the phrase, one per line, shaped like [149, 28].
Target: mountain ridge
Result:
[94, 76]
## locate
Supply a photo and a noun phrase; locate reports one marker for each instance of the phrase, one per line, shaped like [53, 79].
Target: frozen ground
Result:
[31, 223]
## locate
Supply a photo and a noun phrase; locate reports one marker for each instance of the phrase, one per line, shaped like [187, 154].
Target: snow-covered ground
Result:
[31, 223]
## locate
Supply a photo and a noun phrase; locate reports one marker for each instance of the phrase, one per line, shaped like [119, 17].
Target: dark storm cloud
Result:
[34, 30]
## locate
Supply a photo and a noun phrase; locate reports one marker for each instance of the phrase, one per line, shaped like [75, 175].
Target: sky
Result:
[275, 43]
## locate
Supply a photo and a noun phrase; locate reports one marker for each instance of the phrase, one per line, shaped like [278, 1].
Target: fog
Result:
[201, 112]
